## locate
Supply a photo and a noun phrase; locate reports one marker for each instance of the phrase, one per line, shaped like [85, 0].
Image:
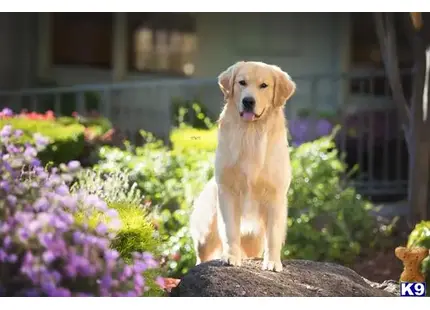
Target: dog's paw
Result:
[272, 265]
[232, 260]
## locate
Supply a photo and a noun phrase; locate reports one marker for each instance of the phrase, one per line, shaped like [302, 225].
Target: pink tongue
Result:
[249, 116]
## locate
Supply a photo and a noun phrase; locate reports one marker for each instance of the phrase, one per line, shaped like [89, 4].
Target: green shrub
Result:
[193, 138]
[98, 125]
[191, 113]
[328, 220]
[420, 237]
[137, 234]
[66, 142]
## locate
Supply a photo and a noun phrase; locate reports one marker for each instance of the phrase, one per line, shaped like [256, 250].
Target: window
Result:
[82, 39]
[162, 43]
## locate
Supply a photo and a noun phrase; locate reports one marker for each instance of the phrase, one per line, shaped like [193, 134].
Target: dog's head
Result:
[255, 88]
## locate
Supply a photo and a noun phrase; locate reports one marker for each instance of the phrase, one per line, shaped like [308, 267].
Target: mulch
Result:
[379, 266]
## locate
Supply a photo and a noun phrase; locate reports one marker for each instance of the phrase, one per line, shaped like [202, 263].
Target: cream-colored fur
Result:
[242, 211]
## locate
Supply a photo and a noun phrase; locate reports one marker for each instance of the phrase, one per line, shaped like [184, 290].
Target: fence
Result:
[361, 104]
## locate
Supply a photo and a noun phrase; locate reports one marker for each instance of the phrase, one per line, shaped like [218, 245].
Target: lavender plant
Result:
[45, 248]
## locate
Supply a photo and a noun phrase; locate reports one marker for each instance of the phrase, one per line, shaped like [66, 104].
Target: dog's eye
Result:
[242, 82]
[263, 85]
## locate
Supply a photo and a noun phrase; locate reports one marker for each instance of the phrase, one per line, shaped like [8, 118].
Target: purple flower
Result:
[6, 131]
[115, 224]
[23, 234]
[139, 281]
[18, 133]
[101, 229]
[12, 258]
[62, 190]
[127, 272]
[7, 241]
[41, 236]
[48, 257]
[61, 292]
[3, 255]
[74, 165]
[106, 281]
[41, 141]
[324, 127]
[41, 204]
[78, 237]
[32, 293]
[160, 282]
[112, 213]
[11, 199]
[30, 152]
[7, 112]
[111, 255]
[4, 185]
[35, 162]
[12, 149]
[69, 202]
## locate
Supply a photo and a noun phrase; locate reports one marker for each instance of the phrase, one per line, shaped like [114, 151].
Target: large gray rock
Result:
[298, 278]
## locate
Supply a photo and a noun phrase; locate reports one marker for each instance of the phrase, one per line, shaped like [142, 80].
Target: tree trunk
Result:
[426, 97]
[414, 121]
[418, 143]
[419, 188]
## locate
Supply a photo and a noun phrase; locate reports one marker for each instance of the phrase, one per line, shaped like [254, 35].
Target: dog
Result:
[242, 211]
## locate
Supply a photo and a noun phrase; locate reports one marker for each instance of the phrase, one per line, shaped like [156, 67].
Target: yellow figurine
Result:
[411, 258]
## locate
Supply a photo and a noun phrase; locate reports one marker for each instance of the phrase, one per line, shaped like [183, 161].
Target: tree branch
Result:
[387, 42]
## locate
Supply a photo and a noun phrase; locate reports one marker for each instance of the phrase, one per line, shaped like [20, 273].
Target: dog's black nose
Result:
[248, 103]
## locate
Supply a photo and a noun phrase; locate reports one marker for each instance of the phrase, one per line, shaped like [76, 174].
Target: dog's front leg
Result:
[275, 235]
[230, 225]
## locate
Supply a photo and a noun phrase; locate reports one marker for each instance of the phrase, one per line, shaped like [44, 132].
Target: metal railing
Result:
[370, 136]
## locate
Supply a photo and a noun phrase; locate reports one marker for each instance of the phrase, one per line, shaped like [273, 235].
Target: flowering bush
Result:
[70, 137]
[48, 115]
[47, 248]
[65, 141]
[8, 113]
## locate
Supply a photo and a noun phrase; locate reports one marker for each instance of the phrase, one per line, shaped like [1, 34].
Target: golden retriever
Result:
[242, 211]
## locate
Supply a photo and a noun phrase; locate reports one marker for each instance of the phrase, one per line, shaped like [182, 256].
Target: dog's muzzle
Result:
[248, 114]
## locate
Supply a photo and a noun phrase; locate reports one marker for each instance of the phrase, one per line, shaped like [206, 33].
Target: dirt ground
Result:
[380, 266]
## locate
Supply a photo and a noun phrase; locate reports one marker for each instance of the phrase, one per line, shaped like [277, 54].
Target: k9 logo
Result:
[412, 288]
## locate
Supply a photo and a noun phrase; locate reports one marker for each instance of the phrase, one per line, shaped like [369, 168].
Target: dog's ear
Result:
[284, 87]
[226, 79]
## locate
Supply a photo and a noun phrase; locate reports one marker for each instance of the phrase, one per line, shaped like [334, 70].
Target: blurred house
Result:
[153, 58]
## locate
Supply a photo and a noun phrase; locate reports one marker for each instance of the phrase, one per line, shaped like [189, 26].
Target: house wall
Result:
[18, 49]
[303, 44]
